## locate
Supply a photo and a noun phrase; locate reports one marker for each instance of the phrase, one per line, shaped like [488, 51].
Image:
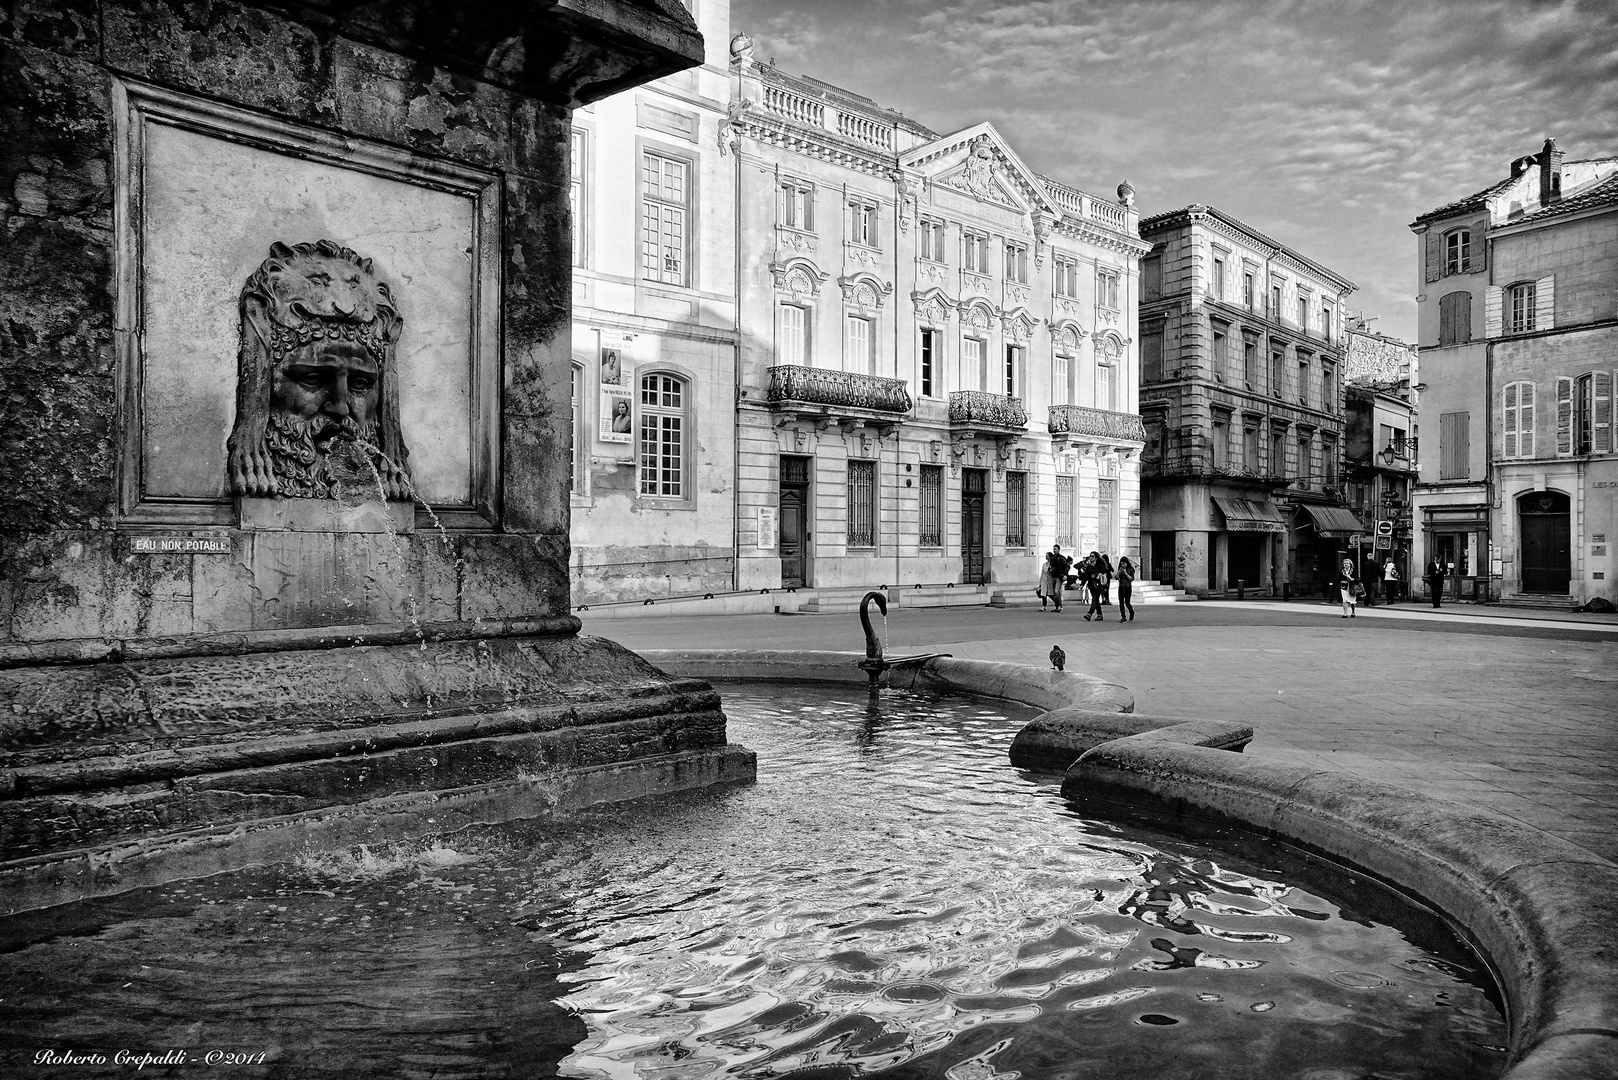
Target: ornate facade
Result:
[1242, 400]
[937, 370]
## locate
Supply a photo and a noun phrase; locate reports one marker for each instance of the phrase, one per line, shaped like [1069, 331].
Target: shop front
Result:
[1251, 527]
[1322, 536]
[1458, 538]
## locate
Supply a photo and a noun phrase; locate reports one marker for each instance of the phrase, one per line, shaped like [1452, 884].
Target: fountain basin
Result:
[1540, 911]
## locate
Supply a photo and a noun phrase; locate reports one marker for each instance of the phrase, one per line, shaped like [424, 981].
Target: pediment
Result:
[978, 162]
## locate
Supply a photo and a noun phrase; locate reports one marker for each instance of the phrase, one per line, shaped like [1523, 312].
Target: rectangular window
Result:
[857, 355]
[1151, 355]
[575, 443]
[1278, 453]
[1219, 444]
[1107, 289]
[1325, 321]
[975, 252]
[1454, 445]
[1303, 381]
[1303, 312]
[1521, 312]
[862, 224]
[1328, 387]
[1064, 511]
[1306, 463]
[1278, 371]
[1219, 358]
[798, 205]
[1016, 509]
[1067, 278]
[1104, 388]
[665, 198]
[662, 436]
[1275, 303]
[974, 369]
[862, 504]
[1518, 407]
[1218, 283]
[575, 193]
[1249, 361]
[1151, 278]
[793, 340]
[932, 506]
[931, 238]
[1247, 291]
[1250, 460]
[1061, 373]
[929, 361]
[1017, 262]
[1012, 383]
[1458, 252]
[1328, 460]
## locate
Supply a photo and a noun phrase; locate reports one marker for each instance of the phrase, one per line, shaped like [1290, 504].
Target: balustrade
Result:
[793, 106]
[865, 130]
[976, 407]
[838, 389]
[1101, 423]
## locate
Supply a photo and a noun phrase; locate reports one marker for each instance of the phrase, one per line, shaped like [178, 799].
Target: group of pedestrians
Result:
[1353, 587]
[1094, 573]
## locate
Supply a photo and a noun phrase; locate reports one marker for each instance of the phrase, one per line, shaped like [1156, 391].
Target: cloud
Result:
[1339, 120]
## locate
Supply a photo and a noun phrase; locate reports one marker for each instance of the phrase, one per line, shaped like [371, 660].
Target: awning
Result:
[1244, 515]
[1335, 520]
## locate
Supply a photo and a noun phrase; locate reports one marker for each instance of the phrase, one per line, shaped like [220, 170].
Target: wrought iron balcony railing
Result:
[1100, 423]
[1192, 467]
[976, 408]
[838, 389]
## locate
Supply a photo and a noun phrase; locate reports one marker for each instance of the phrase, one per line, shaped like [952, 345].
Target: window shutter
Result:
[1463, 445]
[1435, 255]
[1525, 420]
[1564, 415]
[1494, 309]
[1545, 303]
[1601, 425]
[1480, 245]
[1446, 320]
[1463, 318]
[1509, 449]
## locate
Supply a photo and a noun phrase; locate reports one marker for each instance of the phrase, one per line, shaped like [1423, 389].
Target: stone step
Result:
[1539, 601]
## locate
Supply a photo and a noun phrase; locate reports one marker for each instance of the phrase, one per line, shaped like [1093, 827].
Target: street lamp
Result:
[1398, 451]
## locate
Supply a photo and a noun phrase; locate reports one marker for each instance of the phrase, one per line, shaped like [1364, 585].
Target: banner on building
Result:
[617, 416]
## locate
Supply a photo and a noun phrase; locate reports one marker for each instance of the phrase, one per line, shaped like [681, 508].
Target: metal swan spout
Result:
[873, 646]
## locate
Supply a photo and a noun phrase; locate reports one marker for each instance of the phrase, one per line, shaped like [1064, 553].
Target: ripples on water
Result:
[891, 897]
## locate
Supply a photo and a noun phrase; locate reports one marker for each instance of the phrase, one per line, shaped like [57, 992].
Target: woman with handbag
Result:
[1350, 588]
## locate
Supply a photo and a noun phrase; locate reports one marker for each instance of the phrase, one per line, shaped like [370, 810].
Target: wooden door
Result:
[1547, 551]
[794, 538]
[974, 486]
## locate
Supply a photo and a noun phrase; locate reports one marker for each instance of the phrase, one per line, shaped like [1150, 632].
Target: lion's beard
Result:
[322, 457]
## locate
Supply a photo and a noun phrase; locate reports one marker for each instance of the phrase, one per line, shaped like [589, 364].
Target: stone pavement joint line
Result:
[1519, 725]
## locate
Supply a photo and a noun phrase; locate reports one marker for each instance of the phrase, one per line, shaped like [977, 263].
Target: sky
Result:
[1330, 126]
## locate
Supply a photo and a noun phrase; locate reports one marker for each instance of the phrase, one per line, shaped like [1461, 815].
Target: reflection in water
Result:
[890, 894]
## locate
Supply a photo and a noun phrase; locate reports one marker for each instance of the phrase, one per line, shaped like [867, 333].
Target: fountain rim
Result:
[1534, 907]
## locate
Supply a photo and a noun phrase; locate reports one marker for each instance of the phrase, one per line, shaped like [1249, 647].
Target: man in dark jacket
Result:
[1435, 580]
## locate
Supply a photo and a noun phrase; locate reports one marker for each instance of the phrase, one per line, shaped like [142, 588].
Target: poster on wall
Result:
[766, 527]
[614, 357]
[617, 424]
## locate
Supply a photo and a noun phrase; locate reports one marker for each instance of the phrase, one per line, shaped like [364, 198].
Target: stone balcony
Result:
[843, 396]
[1078, 423]
[976, 412]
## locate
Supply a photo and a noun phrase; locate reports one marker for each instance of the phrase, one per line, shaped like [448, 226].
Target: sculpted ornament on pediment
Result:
[931, 273]
[978, 316]
[976, 284]
[858, 255]
[1016, 295]
[1065, 307]
[793, 241]
[932, 308]
[978, 176]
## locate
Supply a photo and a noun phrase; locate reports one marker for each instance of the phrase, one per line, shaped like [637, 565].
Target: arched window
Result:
[664, 403]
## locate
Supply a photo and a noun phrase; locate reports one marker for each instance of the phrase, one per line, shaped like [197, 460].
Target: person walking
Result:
[1107, 574]
[1435, 580]
[1096, 580]
[1348, 585]
[1390, 580]
[1053, 577]
[1371, 578]
[1126, 590]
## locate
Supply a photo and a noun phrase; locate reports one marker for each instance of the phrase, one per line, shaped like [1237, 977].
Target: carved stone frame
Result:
[134, 107]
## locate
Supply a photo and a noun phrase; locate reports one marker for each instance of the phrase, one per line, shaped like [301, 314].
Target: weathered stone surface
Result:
[1054, 741]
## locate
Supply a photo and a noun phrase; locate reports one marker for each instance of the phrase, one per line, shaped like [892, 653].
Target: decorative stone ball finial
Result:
[1126, 193]
[741, 49]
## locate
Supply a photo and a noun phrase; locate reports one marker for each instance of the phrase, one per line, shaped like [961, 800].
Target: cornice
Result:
[819, 144]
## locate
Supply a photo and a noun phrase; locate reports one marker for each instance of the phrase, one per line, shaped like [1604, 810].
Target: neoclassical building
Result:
[937, 373]
[1518, 488]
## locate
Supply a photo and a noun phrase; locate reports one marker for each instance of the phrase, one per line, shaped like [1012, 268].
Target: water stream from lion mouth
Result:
[891, 898]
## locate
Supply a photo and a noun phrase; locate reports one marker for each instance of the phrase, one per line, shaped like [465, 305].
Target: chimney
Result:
[1550, 172]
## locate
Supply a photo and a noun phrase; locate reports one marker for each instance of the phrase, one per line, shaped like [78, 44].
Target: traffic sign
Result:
[1384, 543]
[1384, 528]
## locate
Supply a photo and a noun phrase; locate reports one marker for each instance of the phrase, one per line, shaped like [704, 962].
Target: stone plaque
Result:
[180, 545]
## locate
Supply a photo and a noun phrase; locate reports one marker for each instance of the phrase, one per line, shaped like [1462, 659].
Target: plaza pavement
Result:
[1515, 711]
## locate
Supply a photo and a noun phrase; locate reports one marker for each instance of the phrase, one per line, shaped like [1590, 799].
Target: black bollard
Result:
[1241, 588]
[1286, 590]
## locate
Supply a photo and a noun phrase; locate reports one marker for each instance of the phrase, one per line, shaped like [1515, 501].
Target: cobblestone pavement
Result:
[1514, 712]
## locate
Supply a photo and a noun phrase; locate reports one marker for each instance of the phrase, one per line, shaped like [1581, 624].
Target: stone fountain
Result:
[284, 525]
